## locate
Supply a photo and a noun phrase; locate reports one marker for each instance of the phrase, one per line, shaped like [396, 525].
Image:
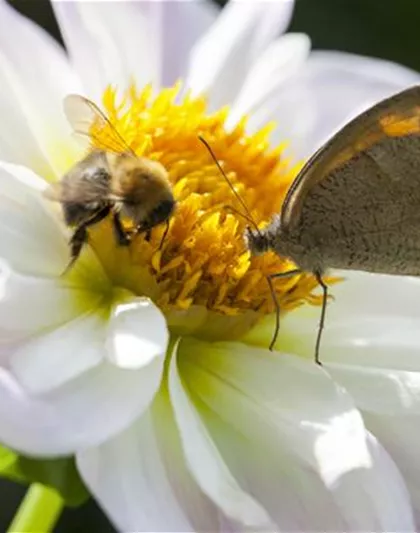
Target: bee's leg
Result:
[165, 233]
[77, 241]
[121, 235]
[146, 229]
[79, 236]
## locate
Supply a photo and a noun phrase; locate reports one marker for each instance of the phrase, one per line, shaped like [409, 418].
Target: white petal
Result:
[299, 424]
[202, 513]
[137, 334]
[297, 499]
[221, 59]
[393, 501]
[82, 413]
[50, 359]
[390, 402]
[375, 294]
[376, 498]
[182, 23]
[112, 42]
[364, 341]
[205, 462]
[128, 477]
[34, 78]
[292, 493]
[370, 321]
[281, 59]
[32, 239]
[399, 435]
[375, 356]
[330, 89]
[29, 305]
[370, 347]
[281, 383]
[390, 342]
[382, 391]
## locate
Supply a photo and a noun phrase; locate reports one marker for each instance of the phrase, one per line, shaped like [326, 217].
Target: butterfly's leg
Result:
[123, 238]
[324, 288]
[276, 302]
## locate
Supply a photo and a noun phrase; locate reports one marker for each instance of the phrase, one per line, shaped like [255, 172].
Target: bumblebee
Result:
[112, 181]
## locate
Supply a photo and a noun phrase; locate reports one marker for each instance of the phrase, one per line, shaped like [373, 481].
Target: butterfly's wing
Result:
[394, 118]
[356, 205]
[88, 121]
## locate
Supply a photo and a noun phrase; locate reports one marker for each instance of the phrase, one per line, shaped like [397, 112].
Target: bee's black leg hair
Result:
[324, 288]
[276, 302]
[165, 233]
[79, 236]
[77, 241]
[120, 234]
[148, 234]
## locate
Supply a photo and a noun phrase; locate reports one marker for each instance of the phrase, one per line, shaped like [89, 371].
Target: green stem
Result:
[38, 512]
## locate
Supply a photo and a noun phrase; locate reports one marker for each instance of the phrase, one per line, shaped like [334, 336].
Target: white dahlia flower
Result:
[151, 365]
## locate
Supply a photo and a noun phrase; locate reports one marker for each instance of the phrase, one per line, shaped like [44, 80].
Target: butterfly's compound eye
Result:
[256, 241]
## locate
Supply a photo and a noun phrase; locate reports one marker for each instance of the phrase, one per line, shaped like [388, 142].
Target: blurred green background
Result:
[388, 29]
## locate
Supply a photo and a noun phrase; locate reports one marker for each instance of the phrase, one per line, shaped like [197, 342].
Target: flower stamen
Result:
[203, 261]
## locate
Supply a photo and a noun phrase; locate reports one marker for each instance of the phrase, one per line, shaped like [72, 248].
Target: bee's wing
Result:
[87, 120]
[397, 116]
[54, 192]
[88, 181]
[83, 193]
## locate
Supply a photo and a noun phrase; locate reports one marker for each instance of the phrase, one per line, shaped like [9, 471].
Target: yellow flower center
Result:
[202, 277]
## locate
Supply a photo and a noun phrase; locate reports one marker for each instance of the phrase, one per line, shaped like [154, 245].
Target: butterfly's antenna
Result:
[248, 215]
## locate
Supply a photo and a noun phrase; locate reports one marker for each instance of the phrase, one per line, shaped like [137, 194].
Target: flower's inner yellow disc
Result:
[202, 276]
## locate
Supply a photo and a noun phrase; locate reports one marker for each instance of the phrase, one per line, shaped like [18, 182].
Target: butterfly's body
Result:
[356, 203]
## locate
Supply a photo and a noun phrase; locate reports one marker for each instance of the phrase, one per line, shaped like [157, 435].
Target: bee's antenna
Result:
[248, 215]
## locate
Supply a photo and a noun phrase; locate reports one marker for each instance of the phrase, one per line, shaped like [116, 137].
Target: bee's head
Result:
[144, 191]
[160, 213]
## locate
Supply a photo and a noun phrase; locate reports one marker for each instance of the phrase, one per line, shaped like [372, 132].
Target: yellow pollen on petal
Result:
[202, 277]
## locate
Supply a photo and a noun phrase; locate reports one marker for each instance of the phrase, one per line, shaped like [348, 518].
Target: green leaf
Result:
[60, 474]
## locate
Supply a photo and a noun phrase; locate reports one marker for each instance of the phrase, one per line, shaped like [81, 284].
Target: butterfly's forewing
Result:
[397, 116]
